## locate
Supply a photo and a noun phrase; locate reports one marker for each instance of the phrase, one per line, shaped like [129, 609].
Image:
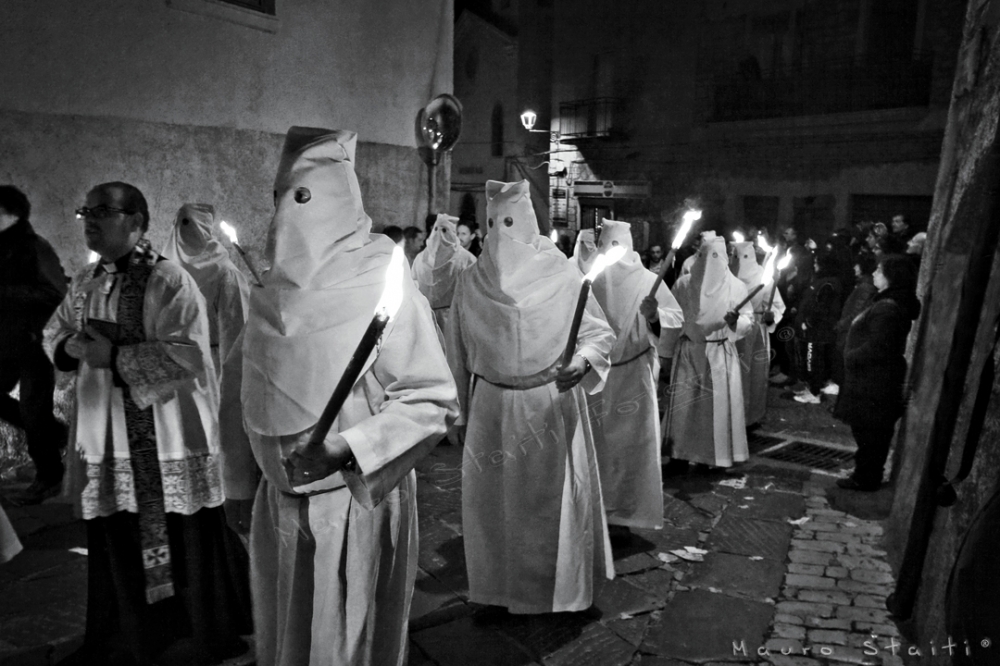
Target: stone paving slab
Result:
[738, 574]
[770, 506]
[614, 598]
[466, 642]
[701, 626]
[742, 536]
[543, 635]
[596, 646]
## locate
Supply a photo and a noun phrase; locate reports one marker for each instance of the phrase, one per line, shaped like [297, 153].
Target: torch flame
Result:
[738, 237]
[771, 269]
[764, 245]
[690, 217]
[604, 260]
[229, 231]
[92, 257]
[554, 236]
[392, 295]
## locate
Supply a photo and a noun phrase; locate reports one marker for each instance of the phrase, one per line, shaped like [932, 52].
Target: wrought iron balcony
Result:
[590, 118]
[833, 86]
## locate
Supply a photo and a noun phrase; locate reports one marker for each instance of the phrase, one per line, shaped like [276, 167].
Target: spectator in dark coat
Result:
[815, 326]
[856, 303]
[872, 397]
[32, 284]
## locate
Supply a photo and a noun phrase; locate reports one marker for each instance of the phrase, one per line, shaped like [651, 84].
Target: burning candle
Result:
[385, 310]
[230, 231]
[92, 257]
[738, 237]
[690, 217]
[601, 262]
[554, 236]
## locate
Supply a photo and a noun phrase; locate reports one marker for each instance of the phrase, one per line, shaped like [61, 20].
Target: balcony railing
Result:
[590, 118]
[833, 86]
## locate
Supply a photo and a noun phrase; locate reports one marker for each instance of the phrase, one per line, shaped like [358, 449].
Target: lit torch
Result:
[767, 278]
[554, 236]
[601, 262]
[781, 265]
[231, 232]
[92, 257]
[738, 237]
[388, 305]
[690, 217]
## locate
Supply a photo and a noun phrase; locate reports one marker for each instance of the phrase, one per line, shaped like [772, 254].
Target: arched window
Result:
[496, 131]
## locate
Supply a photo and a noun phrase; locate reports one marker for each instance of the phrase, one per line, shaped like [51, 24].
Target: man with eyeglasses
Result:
[32, 283]
[134, 329]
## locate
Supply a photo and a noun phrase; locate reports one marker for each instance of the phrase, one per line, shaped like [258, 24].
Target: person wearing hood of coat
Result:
[626, 419]
[332, 525]
[705, 420]
[536, 538]
[193, 244]
[873, 395]
[437, 267]
[755, 348]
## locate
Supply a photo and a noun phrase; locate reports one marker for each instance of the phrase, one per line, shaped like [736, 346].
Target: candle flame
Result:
[785, 262]
[392, 295]
[738, 237]
[604, 260]
[764, 245]
[229, 231]
[92, 257]
[554, 236]
[690, 217]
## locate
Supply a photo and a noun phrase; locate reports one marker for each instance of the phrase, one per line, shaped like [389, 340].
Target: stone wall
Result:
[56, 159]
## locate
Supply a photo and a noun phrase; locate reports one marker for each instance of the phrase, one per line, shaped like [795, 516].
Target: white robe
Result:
[333, 562]
[532, 513]
[704, 422]
[625, 414]
[183, 393]
[333, 573]
[755, 349]
[438, 266]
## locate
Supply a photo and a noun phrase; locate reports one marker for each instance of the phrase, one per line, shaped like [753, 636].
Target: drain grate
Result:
[758, 442]
[811, 455]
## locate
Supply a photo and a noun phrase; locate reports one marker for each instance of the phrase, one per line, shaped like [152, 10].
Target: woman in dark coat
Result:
[872, 397]
[858, 301]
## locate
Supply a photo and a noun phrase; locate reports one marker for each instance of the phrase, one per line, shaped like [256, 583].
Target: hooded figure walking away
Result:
[625, 414]
[705, 422]
[192, 244]
[437, 267]
[333, 540]
[532, 515]
[755, 349]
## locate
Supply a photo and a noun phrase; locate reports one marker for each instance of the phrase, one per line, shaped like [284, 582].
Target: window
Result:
[496, 131]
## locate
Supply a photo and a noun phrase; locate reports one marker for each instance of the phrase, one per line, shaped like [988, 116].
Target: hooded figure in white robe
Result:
[585, 250]
[193, 244]
[624, 414]
[438, 266]
[755, 348]
[532, 516]
[704, 422]
[333, 539]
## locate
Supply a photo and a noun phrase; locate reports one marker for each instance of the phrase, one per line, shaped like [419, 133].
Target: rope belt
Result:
[634, 358]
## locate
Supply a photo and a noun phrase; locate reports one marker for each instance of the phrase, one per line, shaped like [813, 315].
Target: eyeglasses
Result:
[101, 212]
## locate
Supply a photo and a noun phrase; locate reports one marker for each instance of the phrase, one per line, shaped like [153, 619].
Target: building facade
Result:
[189, 100]
[768, 112]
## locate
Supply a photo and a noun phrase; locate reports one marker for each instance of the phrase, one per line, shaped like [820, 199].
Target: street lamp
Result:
[528, 119]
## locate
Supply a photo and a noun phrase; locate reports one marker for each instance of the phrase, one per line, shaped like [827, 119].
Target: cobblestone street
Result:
[768, 563]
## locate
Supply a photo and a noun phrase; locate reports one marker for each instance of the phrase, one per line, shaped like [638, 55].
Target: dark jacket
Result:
[856, 303]
[32, 284]
[819, 310]
[874, 365]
